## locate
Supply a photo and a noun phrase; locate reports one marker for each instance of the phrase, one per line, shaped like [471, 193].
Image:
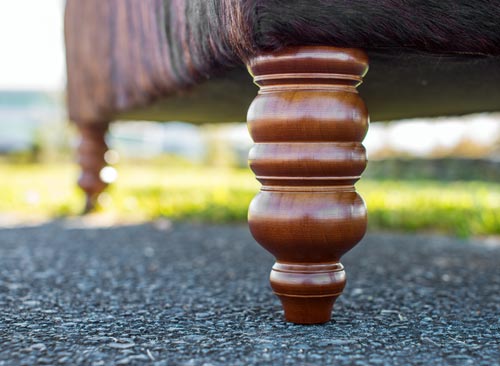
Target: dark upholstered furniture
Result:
[187, 59]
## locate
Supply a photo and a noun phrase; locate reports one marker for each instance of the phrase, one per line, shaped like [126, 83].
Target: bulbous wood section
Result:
[91, 150]
[308, 122]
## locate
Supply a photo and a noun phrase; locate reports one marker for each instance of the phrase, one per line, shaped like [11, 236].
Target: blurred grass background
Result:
[181, 191]
[433, 176]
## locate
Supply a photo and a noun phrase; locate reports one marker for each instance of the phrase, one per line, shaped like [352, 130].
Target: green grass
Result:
[215, 195]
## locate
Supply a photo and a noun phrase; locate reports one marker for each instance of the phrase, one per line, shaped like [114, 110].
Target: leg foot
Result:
[91, 152]
[308, 123]
[308, 292]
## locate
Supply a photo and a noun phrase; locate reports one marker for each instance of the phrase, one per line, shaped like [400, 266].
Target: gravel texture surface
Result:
[187, 294]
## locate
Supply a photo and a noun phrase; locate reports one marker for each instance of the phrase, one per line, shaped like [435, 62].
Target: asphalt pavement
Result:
[191, 294]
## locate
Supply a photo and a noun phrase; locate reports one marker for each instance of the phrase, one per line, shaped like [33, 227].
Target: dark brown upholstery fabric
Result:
[124, 54]
[433, 26]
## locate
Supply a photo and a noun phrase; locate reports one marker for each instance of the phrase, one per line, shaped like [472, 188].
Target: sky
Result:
[420, 137]
[32, 45]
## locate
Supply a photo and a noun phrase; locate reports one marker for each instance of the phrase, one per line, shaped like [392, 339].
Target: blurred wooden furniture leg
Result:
[308, 122]
[91, 150]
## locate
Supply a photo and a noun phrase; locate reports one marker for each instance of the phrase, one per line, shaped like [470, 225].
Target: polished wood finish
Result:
[308, 122]
[91, 150]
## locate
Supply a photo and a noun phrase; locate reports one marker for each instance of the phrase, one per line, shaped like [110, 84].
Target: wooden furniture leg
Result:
[91, 150]
[308, 122]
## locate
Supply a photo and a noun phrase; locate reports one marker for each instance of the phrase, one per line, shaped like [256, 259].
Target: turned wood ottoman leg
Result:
[91, 150]
[308, 122]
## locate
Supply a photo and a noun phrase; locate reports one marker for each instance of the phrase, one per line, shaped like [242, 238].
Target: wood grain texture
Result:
[308, 123]
[91, 150]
